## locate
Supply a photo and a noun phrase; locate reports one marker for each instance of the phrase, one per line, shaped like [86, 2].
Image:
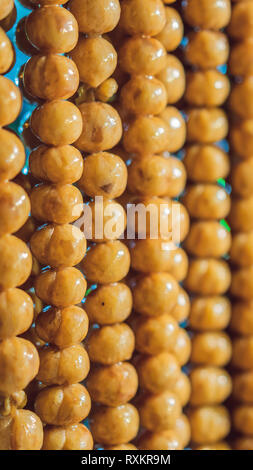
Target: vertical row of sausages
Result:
[153, 128]
[241, 139]
[58, 245]
[19, 361]
[208, 204]
[112, 381]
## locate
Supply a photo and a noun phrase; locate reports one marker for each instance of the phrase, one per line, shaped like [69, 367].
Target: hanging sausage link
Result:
[240, 106]
[153, 128]
[62, 402]
[19, 361]
[208, 203]
[112, 381]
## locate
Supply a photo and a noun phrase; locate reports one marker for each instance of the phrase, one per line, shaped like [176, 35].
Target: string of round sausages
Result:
[112, 381]
[241, 138]
[19, 361]
[151, 128]
[207, 201]
[58, 245]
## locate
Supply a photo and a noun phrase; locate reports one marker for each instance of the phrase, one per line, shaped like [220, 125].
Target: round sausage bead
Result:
[157, 373]
[102, 128]
[182, 308]
[62, 327]
[173, 77]
[6, 52]
[15, 262]
[158, 256]
[211, 348]
[113, 385]
[207, 201]
[239, 214]
[207, 49]
[159, 412]
[143, 95]
[207, 14]
[209, 424]
[240, 101]
[242, 283]
[98, 18]
[242, 357]
[114, 425]
[58, 245]
[182, 388]
[206, 126]
[206, 88]
[155, 335]
[106, 262]
[143, 17]
[241, 249]
[63, 406]
[182, 348]
[208, 277]
[96, 60]
[12, 155]
[60, 203]
[172, 33]
[161, 210]
[62, 164]
[51, 77]
[61, 288]
[241, 56]
[242, 177]
[108, 304]
[14, 207]
[57, 122]
[155, 294]
[151, 255]
[240, 26]
[19, 364]
[52, 29]
[142, 55]
[63, 367]
[206, 163]
[73, 437]
[22, 430]
[165, 440]
[243, 419]
[176, 128]
[5, 8]
[104, 174]
[242, 319]
[243, 387]
[10, 101]
[16, 312]
[208, 238]
[210, 313]
[241, 136]
[210, 386]
[111, 344]
[146, 135]
[156, 175]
